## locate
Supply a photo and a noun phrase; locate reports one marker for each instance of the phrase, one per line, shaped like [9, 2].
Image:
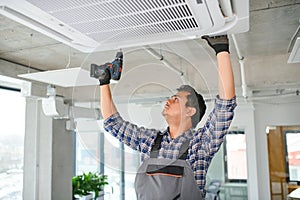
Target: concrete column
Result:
[30, 187]
[62, 160]
[48, 156]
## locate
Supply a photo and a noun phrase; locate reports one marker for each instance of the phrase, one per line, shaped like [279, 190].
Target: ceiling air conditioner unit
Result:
[98, 25]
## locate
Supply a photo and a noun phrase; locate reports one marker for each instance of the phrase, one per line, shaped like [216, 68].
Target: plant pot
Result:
[100, 195]
[87, 197]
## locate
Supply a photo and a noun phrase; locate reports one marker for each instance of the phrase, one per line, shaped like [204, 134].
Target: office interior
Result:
[52, 128]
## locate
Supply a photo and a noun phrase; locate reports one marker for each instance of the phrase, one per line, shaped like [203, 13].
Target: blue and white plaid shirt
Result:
[205, 141]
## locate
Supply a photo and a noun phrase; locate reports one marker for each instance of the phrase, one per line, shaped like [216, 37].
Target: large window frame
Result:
[287, 156]
[12, 160]
[227, 160]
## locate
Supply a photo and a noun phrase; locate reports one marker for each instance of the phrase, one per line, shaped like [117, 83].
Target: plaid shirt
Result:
[205, 141]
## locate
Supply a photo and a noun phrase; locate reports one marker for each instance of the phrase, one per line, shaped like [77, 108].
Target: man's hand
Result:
[104, 78]
[218, 43]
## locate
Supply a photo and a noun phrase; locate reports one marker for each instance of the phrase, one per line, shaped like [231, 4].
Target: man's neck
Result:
[176, 130]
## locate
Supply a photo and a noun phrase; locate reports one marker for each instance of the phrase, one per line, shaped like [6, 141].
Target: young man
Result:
[175, 162]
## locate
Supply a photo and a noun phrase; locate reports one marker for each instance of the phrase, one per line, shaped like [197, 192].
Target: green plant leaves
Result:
[88, 182]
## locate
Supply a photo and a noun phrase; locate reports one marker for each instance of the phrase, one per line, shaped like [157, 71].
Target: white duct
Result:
[165, 62]
[242, 67]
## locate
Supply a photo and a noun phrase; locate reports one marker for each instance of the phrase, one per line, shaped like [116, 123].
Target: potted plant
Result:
[87, 184]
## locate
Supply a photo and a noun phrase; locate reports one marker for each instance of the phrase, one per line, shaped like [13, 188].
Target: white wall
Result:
[244, 119]
[287, 114]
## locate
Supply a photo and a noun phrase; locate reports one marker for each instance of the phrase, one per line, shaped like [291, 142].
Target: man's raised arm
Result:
[226, 80]
[108, 107]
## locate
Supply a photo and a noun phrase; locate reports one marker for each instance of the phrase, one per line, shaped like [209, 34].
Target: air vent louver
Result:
[110, 24]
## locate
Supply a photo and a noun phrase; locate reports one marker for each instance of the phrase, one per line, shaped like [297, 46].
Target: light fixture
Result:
[71, 77]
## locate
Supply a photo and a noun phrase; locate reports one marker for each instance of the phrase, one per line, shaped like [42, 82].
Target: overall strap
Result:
[184, 150]
[156, 145]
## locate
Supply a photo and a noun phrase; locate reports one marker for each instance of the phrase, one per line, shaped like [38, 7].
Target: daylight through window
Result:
[12, 117]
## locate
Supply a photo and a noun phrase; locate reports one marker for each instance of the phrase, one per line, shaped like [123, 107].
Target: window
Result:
[292, 154]
[12, 117]
[113, 157]
[98, 151]
[120, 164]
[131, 165]
[87, 152]
[235, 157]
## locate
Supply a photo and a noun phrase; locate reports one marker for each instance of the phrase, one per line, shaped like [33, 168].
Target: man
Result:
[175, 162]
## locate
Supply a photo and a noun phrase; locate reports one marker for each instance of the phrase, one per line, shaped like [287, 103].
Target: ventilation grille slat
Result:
[98, 25]
[111, 24]
[122, 19]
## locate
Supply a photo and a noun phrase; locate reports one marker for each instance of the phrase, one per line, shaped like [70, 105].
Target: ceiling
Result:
[264, 48]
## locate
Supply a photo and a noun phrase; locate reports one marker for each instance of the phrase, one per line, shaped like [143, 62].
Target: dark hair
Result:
[194, 100]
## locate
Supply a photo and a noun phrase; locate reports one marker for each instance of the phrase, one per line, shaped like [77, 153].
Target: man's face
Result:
[175, 106]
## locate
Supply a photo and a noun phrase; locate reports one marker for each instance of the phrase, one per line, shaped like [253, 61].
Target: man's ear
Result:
[191, 111]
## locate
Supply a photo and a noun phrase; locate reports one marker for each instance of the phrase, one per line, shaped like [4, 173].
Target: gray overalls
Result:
[166, 179]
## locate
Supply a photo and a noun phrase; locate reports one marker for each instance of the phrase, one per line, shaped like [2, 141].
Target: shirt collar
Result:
[187, 135]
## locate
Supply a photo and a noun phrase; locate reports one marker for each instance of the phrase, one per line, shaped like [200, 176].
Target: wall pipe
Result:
[165, 62]
[242, 66]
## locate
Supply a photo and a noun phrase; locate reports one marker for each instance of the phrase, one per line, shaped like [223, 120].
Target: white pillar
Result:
[47, 156]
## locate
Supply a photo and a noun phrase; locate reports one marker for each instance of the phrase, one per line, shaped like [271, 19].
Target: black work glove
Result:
[105, 76]
[218, 43]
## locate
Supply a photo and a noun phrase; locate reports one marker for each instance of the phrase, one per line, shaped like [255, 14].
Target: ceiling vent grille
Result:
[95, 25]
